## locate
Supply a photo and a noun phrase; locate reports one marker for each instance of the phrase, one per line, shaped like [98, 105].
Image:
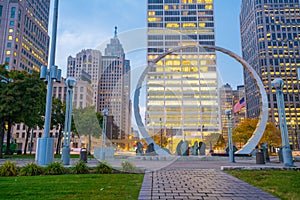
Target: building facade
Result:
[228, 98]
[24, 39]
[86, 62]
[114, 87]
[226, 103]
[182, 88]
[270, 44]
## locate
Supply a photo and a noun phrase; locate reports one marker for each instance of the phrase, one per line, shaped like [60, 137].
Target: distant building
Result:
[238, 94]
[182, 88]
[271, 45]
[24, 39]
[226, 103]
[114, 87]
[228, 98]
[86, 62]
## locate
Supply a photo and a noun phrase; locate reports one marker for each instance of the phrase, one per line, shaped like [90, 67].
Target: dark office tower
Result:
[270, 32]
[24, 39]
[182, 94]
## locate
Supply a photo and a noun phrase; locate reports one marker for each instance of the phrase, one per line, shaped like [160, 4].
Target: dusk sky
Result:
[89, 24]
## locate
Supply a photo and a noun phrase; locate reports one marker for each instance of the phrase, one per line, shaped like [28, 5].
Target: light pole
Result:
[70, 83]
[45, 145]
[296, 135]
[105, 113]
[230, 144]
[278, 83]
[160, 132]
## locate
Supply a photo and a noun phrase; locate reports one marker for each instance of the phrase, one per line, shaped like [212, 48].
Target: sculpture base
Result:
[287, 157]
[66, 155]
[44, 151]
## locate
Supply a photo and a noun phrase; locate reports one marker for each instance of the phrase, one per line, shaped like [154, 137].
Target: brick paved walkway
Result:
[183, 183]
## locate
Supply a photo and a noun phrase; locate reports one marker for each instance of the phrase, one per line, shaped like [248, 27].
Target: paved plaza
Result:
[195, 179]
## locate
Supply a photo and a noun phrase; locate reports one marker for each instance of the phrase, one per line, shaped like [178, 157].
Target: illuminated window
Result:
[151, 13]
[11, 30]
[17, 39]
[15, 54]
[201, 24]
[9, 37]
[8, 52]
[209, 7]
[172, 25]
[154, 19]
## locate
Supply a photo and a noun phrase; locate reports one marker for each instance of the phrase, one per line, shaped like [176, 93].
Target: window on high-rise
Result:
[13, 12]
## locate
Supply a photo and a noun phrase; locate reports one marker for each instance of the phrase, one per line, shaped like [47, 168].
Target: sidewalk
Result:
[190, 179]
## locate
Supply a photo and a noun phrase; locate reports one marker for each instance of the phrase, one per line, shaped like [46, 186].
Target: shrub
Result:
[103, 168]
[31, 169]
[128, 167]
[9, 168]
[55, 168]
[80, 168]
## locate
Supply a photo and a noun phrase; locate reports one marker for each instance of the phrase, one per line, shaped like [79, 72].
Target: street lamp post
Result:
[44, 154]
[278, 83]
[105, 113]
[70, 83]
[296, 135]
[230, 144]
[160, 132]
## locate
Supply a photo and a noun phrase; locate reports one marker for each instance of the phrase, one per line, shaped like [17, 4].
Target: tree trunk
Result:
[59, 141]
[8, 151]
[31, 141]
[90, 144]
[26, 139]
[1, 137]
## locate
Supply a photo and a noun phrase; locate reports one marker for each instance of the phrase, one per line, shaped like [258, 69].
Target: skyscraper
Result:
[114, 86]
[24, 39]
[89, 62]
[182, 87]
[270, 44]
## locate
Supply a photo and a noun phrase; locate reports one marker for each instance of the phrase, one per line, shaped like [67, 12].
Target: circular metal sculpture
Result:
[263, 118]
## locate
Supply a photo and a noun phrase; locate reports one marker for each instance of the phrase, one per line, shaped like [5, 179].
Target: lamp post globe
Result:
[278, 83]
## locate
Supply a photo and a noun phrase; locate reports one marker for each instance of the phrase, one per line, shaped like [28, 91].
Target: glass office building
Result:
[24, 39]
[270, 33]
[182, 97]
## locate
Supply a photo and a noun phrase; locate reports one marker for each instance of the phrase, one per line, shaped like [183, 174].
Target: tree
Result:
[160, 138]
[23, 100]
[58, 119]
[88, 122]
[3, 86]
[12, 102]
[34, 103]
[245, 130]
[272, 136]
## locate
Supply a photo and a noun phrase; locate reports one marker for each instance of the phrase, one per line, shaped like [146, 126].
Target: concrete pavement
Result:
[195, 179]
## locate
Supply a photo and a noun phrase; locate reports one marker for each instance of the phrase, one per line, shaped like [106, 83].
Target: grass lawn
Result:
[88, 186]
[282, 184]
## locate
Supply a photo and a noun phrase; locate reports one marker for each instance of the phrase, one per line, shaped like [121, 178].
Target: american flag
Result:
[239, 105]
